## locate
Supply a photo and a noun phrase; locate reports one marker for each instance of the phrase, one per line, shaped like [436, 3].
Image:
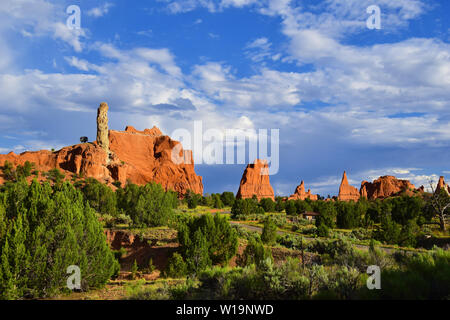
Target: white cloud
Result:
[213, 35]
[78, 63]
[100, 11]
[36, 18]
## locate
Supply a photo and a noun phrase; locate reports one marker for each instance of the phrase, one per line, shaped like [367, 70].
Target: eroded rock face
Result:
[86, 159]
[102, 127]
[151, 132]
[300, 193]
[442, 185]
[149, 157]
[255, 182]
[346, 191]
[136, 157]
[384, 187]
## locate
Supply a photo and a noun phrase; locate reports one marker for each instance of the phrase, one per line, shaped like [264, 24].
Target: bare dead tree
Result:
[440, 203]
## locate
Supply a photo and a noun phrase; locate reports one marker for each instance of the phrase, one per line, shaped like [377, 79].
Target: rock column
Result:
[102, 127]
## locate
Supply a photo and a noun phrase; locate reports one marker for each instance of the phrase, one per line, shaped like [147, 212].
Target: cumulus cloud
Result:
[37, 18]
[100, 11]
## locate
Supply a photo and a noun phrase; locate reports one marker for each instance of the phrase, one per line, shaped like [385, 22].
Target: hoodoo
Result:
[135, 156]
[442, 185]
[384, 187]
[300, 193]
[102, 127]
[346, 191]
[255, 182]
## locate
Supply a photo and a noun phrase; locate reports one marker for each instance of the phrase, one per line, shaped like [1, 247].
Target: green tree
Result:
[55, 175]
[267, 204]
[254, 253]
[327, 215]
[49, 229]
[279, 204]
[217, 202]
[176, 267]
[303, 205]
[207, 240]
[243, 207]
[148, 205]
[291, 208]
[269, 233]
[227, 198]
[100, 197]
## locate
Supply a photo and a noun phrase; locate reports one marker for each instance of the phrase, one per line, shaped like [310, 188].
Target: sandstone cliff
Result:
[384, 187]
[346, 191]
[300, 193]
[255, 181]
[131, 155]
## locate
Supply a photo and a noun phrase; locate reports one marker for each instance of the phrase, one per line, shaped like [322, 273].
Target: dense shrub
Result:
[269, 233]
[291, 208]
[217, 202]
[100, 197]
[192, 199]
[254, 253]
[176, 267]
[148, 205]
[279, 204]
[302, 206]
[207, 240]
[244, 207]
[43, 231]
[20, 172]
[422, 276]
[267, 204]
[227, 198]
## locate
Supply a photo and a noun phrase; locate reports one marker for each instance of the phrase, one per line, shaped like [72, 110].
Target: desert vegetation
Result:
[212, 246]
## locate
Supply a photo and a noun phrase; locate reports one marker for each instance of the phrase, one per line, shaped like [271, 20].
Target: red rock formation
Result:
[346, 191]
[148, 157]
[442, 185]
[385, 187]
[255, 181]
[136, 156]
[300, 193]
[151, 132]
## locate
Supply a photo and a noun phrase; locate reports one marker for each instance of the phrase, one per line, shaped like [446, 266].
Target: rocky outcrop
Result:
[346, 191]
[155, 132]
[255, 182]
[149, 157]
[384, 187]
[442, 186]
[136, 156]
[102, 127]
[300, 193]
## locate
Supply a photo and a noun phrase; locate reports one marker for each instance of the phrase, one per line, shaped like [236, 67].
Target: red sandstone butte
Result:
[255, 182]
[442, 185]
[346, 191]
[138, 157]
[300, 193]
[386, 186]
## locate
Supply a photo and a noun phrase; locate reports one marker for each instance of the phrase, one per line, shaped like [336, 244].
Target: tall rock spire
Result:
[102, 127]
[255, 182]
[442, 185]
[346, 191]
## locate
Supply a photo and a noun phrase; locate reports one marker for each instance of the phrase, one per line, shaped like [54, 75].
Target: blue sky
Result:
[372, 102]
